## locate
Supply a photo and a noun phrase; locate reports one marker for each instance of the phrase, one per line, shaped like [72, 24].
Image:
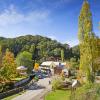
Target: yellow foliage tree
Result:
[36, 67]
[88, 43]
[8, 69]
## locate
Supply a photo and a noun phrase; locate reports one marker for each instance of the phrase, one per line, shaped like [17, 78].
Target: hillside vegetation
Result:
[41, 48]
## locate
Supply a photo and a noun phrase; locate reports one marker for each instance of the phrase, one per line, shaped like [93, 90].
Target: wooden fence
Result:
[18, 87]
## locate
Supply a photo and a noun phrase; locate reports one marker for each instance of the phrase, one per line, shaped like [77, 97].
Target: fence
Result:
[19, 86]
[11, 92]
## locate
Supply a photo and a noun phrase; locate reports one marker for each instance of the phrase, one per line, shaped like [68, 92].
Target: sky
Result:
[57, 19]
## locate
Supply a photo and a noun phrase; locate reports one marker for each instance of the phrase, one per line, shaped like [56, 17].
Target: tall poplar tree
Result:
[87, 42]
[0, 56]
[62, 55]
[85, 22]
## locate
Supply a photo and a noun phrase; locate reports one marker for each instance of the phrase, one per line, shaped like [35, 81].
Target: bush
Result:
[60, 84]
[63, 78]
[1, 87]
[98, 73]
[6, 86]
[87, 92]
[56, 83]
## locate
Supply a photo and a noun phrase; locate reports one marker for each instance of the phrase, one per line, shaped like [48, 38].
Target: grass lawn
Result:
[11, 97]
[18, 78]
[58, 95]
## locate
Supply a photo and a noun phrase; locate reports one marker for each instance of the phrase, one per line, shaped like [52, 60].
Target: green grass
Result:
[11, 97]
[58, 95]
[18, 78]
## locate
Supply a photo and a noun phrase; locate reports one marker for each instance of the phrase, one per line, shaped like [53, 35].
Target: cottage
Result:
[22, 70]
[55, 67]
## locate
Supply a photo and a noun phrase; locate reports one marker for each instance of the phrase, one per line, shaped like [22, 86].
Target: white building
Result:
[51, 65]
[22, 70]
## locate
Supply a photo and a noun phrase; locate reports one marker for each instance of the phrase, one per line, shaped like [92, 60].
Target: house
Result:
[54, 67]
[22, 70]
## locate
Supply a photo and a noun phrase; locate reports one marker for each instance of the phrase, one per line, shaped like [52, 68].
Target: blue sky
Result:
[57, 19]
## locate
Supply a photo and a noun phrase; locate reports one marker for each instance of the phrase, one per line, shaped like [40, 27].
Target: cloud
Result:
[72, 42]
[11, 16]
[53, 37]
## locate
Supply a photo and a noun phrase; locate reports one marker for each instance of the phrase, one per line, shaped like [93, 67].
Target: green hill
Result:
[41, 47]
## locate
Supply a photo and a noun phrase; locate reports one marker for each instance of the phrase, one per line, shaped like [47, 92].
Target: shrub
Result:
[87, 92]
[56, 83]
[6, 86]
[60, 84]
[1, 87]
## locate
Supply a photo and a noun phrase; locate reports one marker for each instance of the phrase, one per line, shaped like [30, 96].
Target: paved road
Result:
[36, 91]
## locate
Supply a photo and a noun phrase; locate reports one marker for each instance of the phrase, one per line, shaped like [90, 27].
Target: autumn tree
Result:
[8, 69]
[87, 41]
[85, 22]
[36, 67]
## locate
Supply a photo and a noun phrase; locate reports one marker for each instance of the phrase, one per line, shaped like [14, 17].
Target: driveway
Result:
[36, 91]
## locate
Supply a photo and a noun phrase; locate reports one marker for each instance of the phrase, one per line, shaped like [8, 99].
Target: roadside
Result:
[36, 91]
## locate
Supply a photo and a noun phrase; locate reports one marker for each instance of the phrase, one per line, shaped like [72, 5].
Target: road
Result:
[36, 91]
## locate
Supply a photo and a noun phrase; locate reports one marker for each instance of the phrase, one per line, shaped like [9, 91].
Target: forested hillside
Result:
[40, 47]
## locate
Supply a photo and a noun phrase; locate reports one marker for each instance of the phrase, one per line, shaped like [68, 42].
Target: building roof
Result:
[49, 63]
[53, 63]
[21, 68]
[63, 64]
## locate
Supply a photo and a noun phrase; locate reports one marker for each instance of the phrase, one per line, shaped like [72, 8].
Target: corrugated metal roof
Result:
[49, 63]
[21, 68]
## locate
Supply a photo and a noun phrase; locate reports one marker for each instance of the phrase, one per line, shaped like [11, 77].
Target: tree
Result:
[76, 52]
[62, 55]
[8, 69]
[74, 63]
[25, 59]
[87, 41]
[85, 22]
[0, 56]
[36, 67]
[32, 49]
[57, 52]
[41, 47]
